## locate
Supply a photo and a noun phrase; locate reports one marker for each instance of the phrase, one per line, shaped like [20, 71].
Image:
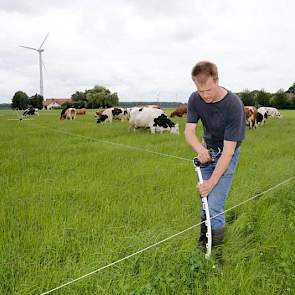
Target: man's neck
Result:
[221, 94]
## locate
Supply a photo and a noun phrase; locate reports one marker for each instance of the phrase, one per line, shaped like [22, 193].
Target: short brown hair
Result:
[205, 69]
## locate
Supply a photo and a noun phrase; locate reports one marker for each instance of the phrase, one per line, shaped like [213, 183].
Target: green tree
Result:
[114, 99]
[279, 99]
[100, 96]
[292, 101]
[97, 97]
[36, 101]
[20, 100]
[247, 97]
[262, 98]
[79, 104]
[79, 96]
[291, 89]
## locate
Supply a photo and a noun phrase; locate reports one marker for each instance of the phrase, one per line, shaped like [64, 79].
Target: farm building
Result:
[54, 103]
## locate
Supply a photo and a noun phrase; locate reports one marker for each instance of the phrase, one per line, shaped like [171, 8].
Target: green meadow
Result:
[76, 196]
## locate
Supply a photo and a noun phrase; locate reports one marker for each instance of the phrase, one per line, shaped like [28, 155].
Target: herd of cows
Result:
[153, 118]
[149, 116]
[257, 117]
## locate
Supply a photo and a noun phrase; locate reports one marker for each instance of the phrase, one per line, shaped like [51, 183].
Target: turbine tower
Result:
[158, 97]
[41, 64]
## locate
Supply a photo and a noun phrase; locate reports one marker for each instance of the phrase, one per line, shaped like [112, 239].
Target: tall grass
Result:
[71, 203]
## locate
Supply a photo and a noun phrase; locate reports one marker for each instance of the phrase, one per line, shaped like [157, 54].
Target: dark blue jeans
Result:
[217, 197]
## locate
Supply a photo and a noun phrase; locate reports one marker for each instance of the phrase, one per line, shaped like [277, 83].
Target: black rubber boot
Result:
[217, 245]
[203, 239]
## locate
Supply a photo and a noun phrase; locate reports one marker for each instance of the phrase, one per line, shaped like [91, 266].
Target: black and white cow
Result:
[261, 116]
[111, 114]
[273, 112]
[152, 118]
[30, 112]
[68, 113]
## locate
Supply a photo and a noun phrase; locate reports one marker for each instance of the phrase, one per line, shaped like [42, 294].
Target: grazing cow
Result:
[69, 114]
[63, 114]
[81, 112]
[119, 114]
[154, 119]
[97, 114]
[30, 112]
[261, 116]
[152, 106]
[129, 110]
[251, 114]
[111, 114]
[273, 112]
[179, 112]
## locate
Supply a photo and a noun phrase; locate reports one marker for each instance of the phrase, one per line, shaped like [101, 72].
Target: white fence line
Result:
[118, 144]
[162, 241]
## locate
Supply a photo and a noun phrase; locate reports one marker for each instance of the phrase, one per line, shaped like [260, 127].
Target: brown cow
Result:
[179, 112]
[81, 111]
[251, 114]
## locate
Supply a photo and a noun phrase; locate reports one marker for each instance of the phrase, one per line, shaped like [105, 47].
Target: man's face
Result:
[208, 89]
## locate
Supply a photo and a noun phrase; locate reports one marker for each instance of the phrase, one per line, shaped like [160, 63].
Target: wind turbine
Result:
[158, 97]
[40, 50]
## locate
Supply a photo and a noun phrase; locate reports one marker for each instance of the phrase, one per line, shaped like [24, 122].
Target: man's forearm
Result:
[221, 167]
[193, 140]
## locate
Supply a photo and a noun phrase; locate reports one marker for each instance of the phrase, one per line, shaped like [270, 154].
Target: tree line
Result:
[97, 97]
[101, 97]
[280, 100]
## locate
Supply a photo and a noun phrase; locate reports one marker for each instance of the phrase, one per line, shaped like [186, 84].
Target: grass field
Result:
[73, 201]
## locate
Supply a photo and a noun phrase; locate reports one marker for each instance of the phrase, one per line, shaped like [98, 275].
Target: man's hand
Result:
[191, 138]
[206, 187]
[203, 155]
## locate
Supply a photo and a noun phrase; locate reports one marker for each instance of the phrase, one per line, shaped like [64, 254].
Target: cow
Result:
[251, 114]
[111, 114]
[30, 112]
[129, 110]
[273, 112]
[63, 114]
[152, 118]
[261, 116]
[153, 106]
[68, 113]
[179, 112]
[81, 111]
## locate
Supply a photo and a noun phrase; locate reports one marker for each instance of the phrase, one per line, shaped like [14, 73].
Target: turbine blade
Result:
[44, 40]
[28, 47]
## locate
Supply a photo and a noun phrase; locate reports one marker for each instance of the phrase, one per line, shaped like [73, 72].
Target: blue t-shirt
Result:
[222, 120]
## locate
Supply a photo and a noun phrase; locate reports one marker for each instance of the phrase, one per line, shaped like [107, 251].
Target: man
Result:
[222, 115]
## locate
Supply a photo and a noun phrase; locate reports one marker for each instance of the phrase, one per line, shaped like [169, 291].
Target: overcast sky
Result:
[145, 50]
